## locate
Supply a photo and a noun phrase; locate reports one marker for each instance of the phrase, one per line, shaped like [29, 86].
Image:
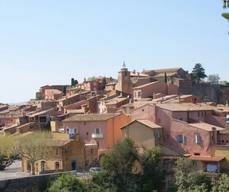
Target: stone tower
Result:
[124, 84]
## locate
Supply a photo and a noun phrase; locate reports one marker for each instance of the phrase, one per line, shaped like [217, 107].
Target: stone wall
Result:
[206, 91]
[29, 184]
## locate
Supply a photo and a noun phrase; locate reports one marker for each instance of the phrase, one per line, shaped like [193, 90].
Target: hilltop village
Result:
[158, 107]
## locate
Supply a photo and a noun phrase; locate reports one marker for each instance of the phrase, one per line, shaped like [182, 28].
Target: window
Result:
[157, 134]
[181, 139]
[97, 130]
[42, 166]
[57, 166]
[72, 132]
[139, 94]
[135, 94]
[212, 168]
[197, 138]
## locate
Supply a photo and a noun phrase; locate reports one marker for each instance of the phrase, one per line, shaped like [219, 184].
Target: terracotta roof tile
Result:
[91, 117]
[207, 158]
[185, 107]
[206, 126]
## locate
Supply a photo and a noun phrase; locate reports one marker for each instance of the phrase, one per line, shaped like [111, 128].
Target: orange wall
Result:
[114, 128]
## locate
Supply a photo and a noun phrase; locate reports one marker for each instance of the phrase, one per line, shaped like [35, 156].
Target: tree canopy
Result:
[222, 185]
[213, 79]
[67, 183]
[34, 147]
[125, 169]
[188, 179]
[7, 151]
[198, 73]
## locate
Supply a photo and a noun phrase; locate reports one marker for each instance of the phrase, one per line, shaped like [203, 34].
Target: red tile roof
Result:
[207, 158]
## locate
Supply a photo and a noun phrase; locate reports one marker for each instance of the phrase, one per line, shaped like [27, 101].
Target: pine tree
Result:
[198, 73]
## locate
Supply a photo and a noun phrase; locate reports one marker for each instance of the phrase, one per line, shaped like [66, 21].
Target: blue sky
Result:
[50, 41]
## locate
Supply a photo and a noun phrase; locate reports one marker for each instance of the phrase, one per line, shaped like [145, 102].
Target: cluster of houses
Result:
[153, 108]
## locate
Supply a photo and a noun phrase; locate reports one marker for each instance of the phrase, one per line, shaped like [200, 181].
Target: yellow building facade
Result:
[66, 154]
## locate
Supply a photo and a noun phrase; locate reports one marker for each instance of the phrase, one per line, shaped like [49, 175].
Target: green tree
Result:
[34, 147]
[101, 182]
[91, 78]
[198, 73]
[224, 83]
[222, 185]
[213, 79]
[124, 169]
[152, 177]
[188, 179]
[7, 150]
[67, 183]
[119, 163]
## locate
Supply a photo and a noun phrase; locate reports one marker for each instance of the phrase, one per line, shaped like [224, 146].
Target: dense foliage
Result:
[7, 151]
[189, 179]
[198, 73]
[127, 170]
[124, 169]
[34, 146]
[213, 79]
[67, 183]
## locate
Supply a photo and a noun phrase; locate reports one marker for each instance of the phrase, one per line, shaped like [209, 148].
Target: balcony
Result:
[97, 135]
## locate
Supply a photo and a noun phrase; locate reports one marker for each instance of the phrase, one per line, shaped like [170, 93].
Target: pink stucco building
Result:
[183, 124]
[105, 129]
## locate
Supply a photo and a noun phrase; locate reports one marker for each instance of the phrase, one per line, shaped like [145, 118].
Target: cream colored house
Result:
[144, 133]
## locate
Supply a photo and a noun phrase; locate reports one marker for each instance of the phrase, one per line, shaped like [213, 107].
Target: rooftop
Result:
[91, 117]
[163, 70]
[145, 85]
[37, 113]
[185, 107]
[168, 74]
[116, 100]
[147, 123]
[207, 158]
[206, 126]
